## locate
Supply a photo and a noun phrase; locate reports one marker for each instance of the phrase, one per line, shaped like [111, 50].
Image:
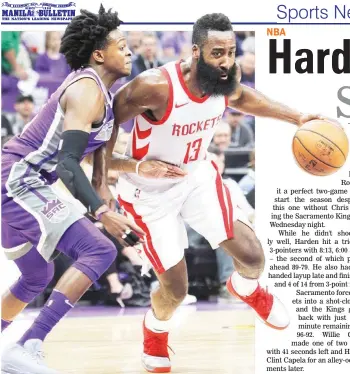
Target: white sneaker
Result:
[27, 359]
[267, 306]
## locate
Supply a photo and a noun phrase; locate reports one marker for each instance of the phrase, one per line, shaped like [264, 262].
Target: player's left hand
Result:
[159, 169]
[309, 117]
[106, 195]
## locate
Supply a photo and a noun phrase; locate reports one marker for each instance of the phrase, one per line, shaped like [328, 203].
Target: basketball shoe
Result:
[155, 356]
[26, 359]
[267, 306]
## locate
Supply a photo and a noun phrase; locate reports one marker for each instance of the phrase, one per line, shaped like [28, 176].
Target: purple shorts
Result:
[32, 213]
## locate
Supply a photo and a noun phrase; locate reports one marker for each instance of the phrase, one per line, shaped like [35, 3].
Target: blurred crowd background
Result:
[32, 69]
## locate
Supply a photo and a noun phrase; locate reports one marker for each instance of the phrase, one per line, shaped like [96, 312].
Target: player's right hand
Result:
[160, 169]
[118, 225]
[309, 117]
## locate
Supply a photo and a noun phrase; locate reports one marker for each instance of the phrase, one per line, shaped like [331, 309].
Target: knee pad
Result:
[33, 282]
[96, 258]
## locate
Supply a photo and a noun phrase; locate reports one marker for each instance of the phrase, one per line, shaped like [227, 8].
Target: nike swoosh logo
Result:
[68, 303]
[140, 153]
[142, 134]
[180, 105]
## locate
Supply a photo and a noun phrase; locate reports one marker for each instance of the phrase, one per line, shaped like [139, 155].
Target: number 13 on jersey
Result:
[193, 149]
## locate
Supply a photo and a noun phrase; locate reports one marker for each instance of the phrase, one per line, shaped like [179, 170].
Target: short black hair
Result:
[86, 33]
[22, 98]
[209, 22]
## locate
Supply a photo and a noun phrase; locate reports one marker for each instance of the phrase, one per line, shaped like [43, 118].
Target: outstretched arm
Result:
[250, 101]
[253, 102]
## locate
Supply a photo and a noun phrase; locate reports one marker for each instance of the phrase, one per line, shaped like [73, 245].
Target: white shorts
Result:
[201, 200]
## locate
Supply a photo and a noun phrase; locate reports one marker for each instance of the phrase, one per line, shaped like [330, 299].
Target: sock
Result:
[243, 286]
[56, 307]
[5, 324]
[156, 325]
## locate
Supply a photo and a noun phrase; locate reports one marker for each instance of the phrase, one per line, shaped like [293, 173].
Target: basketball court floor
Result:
[215, 338]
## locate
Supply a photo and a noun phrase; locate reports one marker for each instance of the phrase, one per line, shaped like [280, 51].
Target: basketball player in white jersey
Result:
[176, 109]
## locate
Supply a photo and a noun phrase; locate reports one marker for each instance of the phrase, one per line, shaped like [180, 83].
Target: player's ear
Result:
[195, 51]
[97, 54]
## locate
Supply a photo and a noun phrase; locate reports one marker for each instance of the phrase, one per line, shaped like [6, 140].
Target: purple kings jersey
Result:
[39, 141]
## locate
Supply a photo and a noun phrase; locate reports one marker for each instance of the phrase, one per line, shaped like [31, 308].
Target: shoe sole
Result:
[160, 370]
[12, 371]
[234, 293]
[157, 370]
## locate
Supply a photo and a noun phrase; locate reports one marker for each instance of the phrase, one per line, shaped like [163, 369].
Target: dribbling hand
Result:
[126, 232]
[309, 117]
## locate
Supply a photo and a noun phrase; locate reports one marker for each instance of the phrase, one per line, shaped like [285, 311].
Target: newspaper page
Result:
[286, 169]
[304, 219]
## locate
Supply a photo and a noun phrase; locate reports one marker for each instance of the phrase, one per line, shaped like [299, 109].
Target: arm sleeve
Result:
[72, 147]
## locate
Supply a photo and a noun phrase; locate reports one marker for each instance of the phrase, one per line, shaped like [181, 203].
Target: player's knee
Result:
[109, 253]
[96, 258]
[36, 282]
[106, 252]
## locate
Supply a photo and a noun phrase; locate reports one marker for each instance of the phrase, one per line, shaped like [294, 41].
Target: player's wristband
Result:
[137, 167]
[101, 211]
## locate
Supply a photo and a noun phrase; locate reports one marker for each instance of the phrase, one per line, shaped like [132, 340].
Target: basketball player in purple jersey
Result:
[36, 223]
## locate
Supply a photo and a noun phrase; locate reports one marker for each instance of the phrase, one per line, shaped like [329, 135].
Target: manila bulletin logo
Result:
[37, 13]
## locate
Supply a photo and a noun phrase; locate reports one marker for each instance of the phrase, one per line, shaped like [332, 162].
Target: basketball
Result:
[320, 147]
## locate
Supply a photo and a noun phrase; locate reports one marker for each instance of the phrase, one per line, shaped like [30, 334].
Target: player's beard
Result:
[210, 82]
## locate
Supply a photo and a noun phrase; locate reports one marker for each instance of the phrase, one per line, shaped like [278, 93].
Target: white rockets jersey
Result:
[182, 136]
